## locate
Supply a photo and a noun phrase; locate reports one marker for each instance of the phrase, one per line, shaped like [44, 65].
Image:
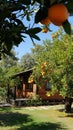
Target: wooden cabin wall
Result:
[43, 94]
[26, 92]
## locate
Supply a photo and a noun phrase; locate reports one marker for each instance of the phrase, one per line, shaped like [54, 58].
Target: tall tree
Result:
[27, 61]
[54, 64]
[8, 66]
[9, 60]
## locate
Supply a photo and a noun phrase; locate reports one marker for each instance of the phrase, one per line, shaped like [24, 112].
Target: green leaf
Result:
[34, 36]
[8, 45]
[36, 30]
[45, 3]
[28, 17]
[26, 2]
[41, 14]
[69, 6]
[33, 31]
[67, 27]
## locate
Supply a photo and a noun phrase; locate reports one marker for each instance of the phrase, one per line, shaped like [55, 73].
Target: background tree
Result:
[54, 65]
[62, 78]
[27, 61]
[8, 66]
[9, 60]
[3, 85]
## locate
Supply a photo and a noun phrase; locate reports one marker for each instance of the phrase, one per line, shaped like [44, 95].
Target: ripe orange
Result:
[57, 23]
[58, 14]
[45, 21]
[48, 94]
[43, 73]
[45, 30]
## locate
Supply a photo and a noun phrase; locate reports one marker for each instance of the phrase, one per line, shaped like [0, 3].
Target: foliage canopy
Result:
[12, 14]
[54, 63]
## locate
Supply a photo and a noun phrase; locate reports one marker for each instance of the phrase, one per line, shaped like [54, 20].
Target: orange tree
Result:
[54, 63]
[62, 77]
[15, 14]
[42, 60]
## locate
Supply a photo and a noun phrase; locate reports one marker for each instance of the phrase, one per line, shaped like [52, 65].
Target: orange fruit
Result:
[43, 73]
[45, 63]
[48, 94]
[58, 14]
[57, 23]
[45, 30]
[45, 21]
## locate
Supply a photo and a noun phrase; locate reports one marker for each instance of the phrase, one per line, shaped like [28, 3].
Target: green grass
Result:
[35, 119]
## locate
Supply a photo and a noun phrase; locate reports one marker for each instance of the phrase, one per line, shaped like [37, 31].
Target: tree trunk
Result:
[8, 90]
[14, 93]
[68, 103]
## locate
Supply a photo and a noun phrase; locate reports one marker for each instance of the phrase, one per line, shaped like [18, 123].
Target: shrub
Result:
[34, 101]
[2, 94]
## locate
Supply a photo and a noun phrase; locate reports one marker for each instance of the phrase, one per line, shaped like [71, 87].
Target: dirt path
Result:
[54, 107]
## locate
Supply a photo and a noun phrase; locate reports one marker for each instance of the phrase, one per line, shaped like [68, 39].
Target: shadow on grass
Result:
[69, 115]
[13, 119]
[5, 109]
[42, 126]
[25, 121]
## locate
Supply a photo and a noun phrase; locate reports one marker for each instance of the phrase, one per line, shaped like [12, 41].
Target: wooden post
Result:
[14, 92]
[8, 90]
[34, 89]
[24, 90]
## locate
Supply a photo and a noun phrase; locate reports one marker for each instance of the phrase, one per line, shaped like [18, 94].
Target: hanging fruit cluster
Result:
[31, 79]
[43, 69]
[55, 12]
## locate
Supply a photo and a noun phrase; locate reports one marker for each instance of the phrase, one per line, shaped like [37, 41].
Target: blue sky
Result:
[25, 47]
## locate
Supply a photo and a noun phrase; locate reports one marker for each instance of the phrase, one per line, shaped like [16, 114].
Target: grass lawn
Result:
[35, 118]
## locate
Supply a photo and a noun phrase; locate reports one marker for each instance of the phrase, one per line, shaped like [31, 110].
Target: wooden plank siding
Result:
[28, 90]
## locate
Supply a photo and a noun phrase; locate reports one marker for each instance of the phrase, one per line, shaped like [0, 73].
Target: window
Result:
[30, 87]
[48, 86]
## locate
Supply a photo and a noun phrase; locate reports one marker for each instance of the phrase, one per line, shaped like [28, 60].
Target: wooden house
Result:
[27, 90]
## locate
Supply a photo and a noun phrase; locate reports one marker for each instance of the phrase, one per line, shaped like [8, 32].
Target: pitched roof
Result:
[21, 73]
